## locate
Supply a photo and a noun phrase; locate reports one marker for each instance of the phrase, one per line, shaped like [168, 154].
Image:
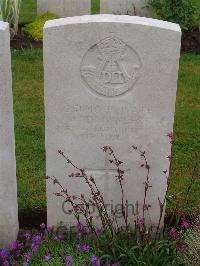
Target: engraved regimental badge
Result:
[111, 67]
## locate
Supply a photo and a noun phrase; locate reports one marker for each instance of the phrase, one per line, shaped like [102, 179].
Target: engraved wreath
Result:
[110, 68]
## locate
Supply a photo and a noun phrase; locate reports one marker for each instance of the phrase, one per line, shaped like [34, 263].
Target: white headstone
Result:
[64, 8]
[8, 186]
[125, 7]
[110, 80]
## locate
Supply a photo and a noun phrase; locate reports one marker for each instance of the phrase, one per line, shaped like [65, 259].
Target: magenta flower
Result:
[58, 237]
[27, 236]
[95, 260]
[14, 245]
[68, 260]
[105, 148]
[78, 246]
[185, 224]
[28, 257]
[174, 233]
[18, 252]
[20, 245]
[85, 248]
[47, 258]
[183, 247]
[37, 239]
[169, 157]
[50, 229]
[82, 247]
[42, 226]
[35, 247]
[78, 234]
[146, 206]
[170, 135]
[4, 254]
[197, 225]
[139, 221]
[63, 229]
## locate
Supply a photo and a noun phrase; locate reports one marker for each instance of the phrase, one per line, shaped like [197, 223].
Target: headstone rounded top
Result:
[114, 19]
[4, 25]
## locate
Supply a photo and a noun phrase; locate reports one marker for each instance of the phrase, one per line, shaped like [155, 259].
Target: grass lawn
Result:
[28, 11]
[29, 128]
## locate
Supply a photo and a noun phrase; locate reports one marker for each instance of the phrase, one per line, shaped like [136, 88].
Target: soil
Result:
[21, 41]
[190, 42]
[32, 218]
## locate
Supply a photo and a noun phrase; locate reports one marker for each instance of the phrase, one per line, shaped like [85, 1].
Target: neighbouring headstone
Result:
[8, 185]
[125, 7]
[110, 80]
[64, 8]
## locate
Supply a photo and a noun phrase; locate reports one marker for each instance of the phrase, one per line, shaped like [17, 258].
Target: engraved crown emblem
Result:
[110, 67]
[111, 46]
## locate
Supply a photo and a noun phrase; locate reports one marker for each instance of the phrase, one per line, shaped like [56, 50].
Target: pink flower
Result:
[170, 135]
[82, 247]
[47, 258]
[139, 221]
[58, 237]
[68, 260]
[185, 224]
[198, 206]
[75, 175]
[117, 162]
[169, 157]
[42, 226]
[174, 233]
[197, 225]
[28, 257]
[146, 207]
[182, 247]
[105, 148]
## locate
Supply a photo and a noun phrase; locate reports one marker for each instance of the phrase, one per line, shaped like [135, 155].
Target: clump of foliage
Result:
[183, 12]
[77, 245]
[9, 12]
[34, 30]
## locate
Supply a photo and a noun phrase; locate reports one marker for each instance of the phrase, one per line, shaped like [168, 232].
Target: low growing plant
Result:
[34, 30]
[183, 12]
[9, 12]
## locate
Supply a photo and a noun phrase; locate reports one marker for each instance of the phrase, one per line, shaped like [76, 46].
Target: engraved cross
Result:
[108, 170]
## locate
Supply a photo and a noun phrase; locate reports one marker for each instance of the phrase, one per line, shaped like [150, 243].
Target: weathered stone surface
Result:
[64, 8]
[110, 80]
[125, 7]
[8, 186]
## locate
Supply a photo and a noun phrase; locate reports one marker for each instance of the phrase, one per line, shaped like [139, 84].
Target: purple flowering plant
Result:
[109, 245]
[141, 234]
